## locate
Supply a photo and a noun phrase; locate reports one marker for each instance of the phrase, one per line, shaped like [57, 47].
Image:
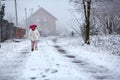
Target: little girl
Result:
[34, 36]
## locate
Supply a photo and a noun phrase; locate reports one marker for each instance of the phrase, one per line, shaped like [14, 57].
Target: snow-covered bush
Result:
[109, 43]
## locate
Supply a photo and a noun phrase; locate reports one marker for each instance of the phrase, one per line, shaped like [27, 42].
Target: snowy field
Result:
[61, 58]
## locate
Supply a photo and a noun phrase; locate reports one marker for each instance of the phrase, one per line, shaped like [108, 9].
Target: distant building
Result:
[46, 22]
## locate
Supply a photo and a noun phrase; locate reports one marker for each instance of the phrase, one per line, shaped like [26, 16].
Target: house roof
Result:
[42, 9]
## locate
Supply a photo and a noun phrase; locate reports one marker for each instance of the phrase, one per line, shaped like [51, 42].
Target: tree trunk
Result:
[87, 8]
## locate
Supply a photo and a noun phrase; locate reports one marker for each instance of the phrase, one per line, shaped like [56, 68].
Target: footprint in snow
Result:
[54, 71]
[33, 78]
[70, 56]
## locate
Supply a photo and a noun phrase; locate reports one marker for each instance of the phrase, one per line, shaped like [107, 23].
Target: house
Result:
[45, 21]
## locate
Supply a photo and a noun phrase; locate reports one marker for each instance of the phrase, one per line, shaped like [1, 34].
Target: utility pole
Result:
[0, 26]
[26, 16]
[16, 12]
[26, 22]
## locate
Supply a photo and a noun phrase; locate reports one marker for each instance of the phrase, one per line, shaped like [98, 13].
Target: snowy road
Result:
[52, 61]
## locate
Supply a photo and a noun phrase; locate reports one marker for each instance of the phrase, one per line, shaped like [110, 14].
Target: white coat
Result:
[34, 35]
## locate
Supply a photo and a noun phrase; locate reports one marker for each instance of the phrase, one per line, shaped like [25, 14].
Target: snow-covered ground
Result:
[61, 58]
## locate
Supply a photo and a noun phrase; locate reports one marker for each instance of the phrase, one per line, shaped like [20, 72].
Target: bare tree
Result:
[107, 17]
[86, 8]
[109, 24]
[74, 24]
[90, 18]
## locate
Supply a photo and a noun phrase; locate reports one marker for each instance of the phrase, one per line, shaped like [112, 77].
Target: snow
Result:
[61, 58]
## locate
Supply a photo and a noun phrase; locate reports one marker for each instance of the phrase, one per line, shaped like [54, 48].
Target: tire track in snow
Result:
[95, 71]
[98, 72]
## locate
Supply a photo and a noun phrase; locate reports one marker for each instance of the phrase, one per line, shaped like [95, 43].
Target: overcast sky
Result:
[58, 8]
